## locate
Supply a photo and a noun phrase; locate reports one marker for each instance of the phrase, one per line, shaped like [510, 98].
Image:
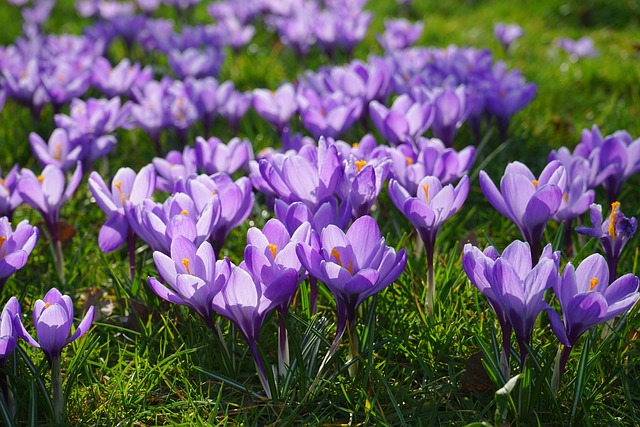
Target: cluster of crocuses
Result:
[515, 282]
[52, 319]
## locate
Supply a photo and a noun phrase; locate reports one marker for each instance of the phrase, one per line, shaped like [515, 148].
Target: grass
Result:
[150, 363]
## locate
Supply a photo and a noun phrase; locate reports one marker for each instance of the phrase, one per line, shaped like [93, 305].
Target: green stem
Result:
[354, 348]
[56, 390]
[429, 303]
[57, 244]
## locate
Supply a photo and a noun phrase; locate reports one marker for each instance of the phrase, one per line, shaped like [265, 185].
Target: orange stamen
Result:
[273, 249]
[593, 282]
[409, 161]
[534, 182]
[336, 255]
[118, 185]
[41, 179]
[612, 219]
[184, 212]
[360, 164]
[47, 305]
[185, 262]
[425, 188]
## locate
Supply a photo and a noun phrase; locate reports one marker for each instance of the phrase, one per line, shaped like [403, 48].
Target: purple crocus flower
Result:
[246, 302]
[404, 122]
[293, 215]
[276, 107]
[53, 317]
[427, 210]
[328, 115]
[148, 114]
[525, 200]
[363, 182]
[121, 79]
[507, 34]
[214, 156]
[59, 151]
[583, 47]
[430, 158]
[269, 257]
[158, 224]
[126, 186]
[514, 287]
[193, 276]
[8, 330]
[232, 105]
[9, 197]
[235, 198]
[195, 62]
[15, 247]
[614, 233]
[353, 265]
[399, 34]
[587, 299]
[450, 111]
[174, 170]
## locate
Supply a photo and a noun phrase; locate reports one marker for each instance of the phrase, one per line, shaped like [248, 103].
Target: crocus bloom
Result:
[119, 80]
[583, 47]
[507, 34]
[174, 170]
[276, 107]
[126, 186]
[399, 34]
[353, 265]
[450, 110]
[525, 200]
[193, 276]
[427, 211]
[515, 289]
[15, 247]
[328, 115]
[328, 212]
[8, 331]
[232, 104]
[9, 197]
[214, 156]
[236, 200]
[53, 317]
[58, 151]
[404, 122]
[587, 299]
[614, 233]
[363, 182]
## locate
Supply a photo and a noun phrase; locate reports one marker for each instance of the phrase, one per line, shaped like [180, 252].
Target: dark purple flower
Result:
[53, 317]
[15, 247]
[515, 289]
[525, 200]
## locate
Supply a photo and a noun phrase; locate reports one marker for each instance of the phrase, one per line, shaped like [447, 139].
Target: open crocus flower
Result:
[507, 34]
[404, 122]
[126, 186]
[276, 107]
[363, 182]
[9, 197]
[59, 151]
[427, 211]
[587, 299]
[614, 233]
[295, 214]
[354, 265]
[193, 276]
[513, 287]
[214, 156]
[525, 200]
[15, 247]
[53, 317]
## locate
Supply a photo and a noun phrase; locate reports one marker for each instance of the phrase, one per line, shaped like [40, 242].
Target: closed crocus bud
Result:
[11, 313]
[15, 247]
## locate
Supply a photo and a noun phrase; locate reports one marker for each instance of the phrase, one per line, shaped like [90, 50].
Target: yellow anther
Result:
[213, 192]
[409, 161]
[355, 144]
[47, 304]
[41, 178]
[593, 282]
[534, 182]
[425, 188]
[350, 268]
[612, 219]
[336, 255]
[3, 181]
[57, 152]
[184, 212]
[360, 164]
[185, 262]
[273, 249]
[565, 197]
[118, 185]
[2, 240]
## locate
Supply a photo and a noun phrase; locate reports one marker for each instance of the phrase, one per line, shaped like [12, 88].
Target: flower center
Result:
[534, 182]
[185, 262]
[409, 161]
[41, 179]
[565, 197]
[273, 249]
[47, 305]
[612, 219]
[184, 212]
[355, 145]
[360, 164]
[118, 186]
[593, 282]
[336, 255]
